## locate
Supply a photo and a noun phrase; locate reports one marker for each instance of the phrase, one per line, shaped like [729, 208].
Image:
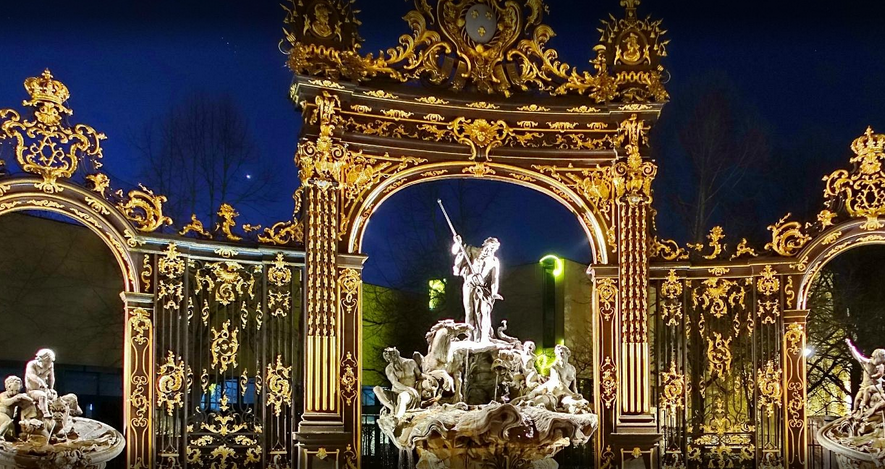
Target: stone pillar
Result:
[796, 436]
[138, 379]
[635, 438]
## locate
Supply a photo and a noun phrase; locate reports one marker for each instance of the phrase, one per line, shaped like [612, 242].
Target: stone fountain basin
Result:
[97, 443]
[462, 437]
[847, 456]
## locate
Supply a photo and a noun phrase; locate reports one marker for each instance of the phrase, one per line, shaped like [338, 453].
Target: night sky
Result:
[813, 73]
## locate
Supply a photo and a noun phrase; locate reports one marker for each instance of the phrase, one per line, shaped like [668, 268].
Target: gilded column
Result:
[795, 425]
[325, 433]
[138, 383]
[635, 428]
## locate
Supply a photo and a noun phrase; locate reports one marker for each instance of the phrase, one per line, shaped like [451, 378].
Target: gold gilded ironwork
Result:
[768, 381]
[862, 189]
[46, 146]
[147, 273]
[717, 294]
[224, 347]
[145, 209]
[768, 284]
[744, 249]
[171, 267]
[279, 392]
[671, 290]
[195, 226]
[787, 238]
[673, 390]
[170, 382]
[716, 236]
[278, 297]
[481, 135]
[666, 249]
[596, 185]
[718, 355]
[502, 54]
[228, 214]
[348, 380]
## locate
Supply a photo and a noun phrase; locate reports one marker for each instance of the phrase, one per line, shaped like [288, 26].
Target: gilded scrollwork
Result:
[195, 226]
[280, 277]
[145, 210]
[170, 382]
[228, 215]
[717, 247]
[666, 249]
[673, 389]
[225, 346]
[596, 185]
[715, 295]
[480, 135]
[671, 290]
[768, 381]
[606, 293]
[279, 391]
[719, 355]
[794, 338]
[787, 238]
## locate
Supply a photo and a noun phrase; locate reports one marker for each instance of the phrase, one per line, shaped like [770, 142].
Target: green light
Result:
[558, 264]
[437, 292]
[544, 361]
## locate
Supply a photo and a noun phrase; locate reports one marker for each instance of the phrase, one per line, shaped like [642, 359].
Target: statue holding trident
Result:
[480, 269]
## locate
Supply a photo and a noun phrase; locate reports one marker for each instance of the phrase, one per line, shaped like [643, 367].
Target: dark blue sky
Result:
[812, 71]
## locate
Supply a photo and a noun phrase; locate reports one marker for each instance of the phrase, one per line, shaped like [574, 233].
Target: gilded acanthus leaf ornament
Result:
[609, 382]
[716, 236]
[481, 135]
[633, 175]
[671, 290]
[716, 295]
[718, 355]
[145, 210]
[666, 249]
[46, 145]
[862, 189]
[787, 238]
[228, 215]
[348, 379]
[283, 233]
[195, 226]
[595, 185]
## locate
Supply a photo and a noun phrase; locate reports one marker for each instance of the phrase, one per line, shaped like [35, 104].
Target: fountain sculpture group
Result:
[858, 440]
[40, 429]
[477, 399]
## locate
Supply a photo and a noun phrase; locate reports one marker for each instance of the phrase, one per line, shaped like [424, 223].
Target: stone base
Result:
[488, 436]
[95, 445]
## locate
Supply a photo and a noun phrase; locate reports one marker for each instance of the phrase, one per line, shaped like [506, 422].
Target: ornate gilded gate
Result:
[213, 326]
[699, 349]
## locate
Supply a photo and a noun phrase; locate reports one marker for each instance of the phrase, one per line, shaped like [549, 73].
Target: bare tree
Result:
[711, 142]
[201, 154]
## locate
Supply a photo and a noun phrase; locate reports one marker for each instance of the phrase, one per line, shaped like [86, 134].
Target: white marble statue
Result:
[480, 269]
[40, 379]
[404, 376]
[51, 434]
[11, 400]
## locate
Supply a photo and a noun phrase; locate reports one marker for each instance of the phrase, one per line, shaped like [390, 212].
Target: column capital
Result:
[352, 261]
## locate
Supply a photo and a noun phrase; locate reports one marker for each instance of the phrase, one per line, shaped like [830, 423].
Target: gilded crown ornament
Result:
[863, 189]
[45, 146]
